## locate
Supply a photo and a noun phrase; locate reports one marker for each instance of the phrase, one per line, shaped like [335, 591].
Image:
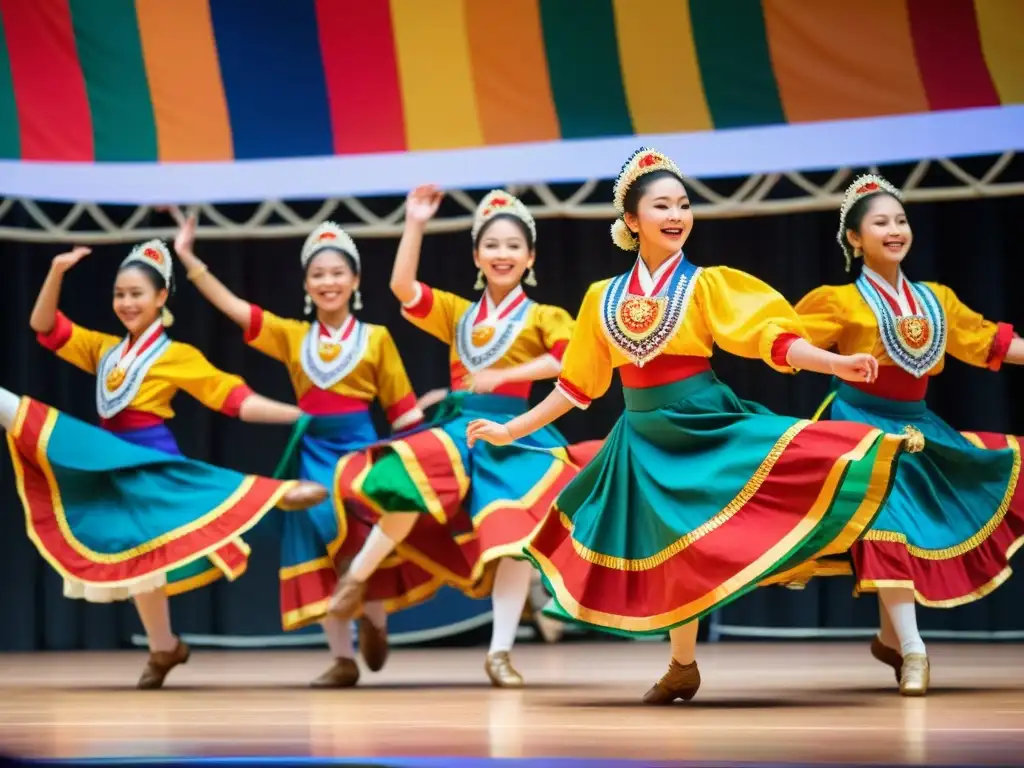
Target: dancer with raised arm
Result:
[118, 512]
[697, 496]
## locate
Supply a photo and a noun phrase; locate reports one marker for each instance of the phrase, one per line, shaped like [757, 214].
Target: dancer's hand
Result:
[186, 237]
[488, 431]
[422, 203]
[859, 367]
[483, 381]
[65, 261]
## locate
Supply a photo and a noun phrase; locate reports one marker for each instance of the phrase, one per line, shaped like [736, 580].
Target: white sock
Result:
[155, 613]
[339, 637]
[901, 606]
[511, 587]
[684, 642]
[388, 533]
[886, 632]
[8, 408]
[376, 614]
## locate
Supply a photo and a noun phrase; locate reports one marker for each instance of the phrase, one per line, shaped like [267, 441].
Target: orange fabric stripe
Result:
[184, 80]
[513, 91]
[825, 75]
[999, 24]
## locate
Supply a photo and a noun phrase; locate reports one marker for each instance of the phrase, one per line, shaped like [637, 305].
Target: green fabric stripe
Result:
[109, 49]
[735, 64]
[10, 140]
[583, 64]
[389, 485]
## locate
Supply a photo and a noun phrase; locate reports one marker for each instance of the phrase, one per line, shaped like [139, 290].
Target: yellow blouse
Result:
[363, 364]
[480, 335]
[179, 366]
[722, 306]
[838, 316]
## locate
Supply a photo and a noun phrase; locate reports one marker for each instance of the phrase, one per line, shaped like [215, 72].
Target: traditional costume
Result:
[119, 512]
[956, 513]
[475, 506]
[337, 373]
[697, 496]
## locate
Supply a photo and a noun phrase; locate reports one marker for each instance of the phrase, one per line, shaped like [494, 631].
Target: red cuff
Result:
[58, 335]
[233, 403]
[558, 350]
[255, 324]
[780, 349]
[422, 307]
[402, 407]
[1000, 346]
[574, 393]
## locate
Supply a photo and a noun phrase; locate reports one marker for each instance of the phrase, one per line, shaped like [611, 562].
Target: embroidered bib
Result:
[328, 360]
[641, 326]
[482, 346]
[117, 384]
[915, 343]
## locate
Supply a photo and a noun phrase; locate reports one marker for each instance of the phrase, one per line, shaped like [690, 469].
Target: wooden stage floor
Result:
[763, 702]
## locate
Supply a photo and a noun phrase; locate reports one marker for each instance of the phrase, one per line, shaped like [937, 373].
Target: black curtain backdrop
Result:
[971, 246]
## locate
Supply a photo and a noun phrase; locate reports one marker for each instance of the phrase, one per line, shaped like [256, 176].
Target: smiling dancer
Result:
[956, 514]
[118, 512]
[697, 496]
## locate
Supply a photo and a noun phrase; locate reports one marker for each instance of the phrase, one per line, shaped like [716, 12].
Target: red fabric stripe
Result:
[58, 335]
[129, 419]
[893, 383]
[234, 557]
[575, 391]
[233, 403]
[402, 407]
[780, 348]
[663, 369]
[366, 109]
[557, 350]
[1000, 346]
[949, 56]
[320, 402]
[909, 295]
[422, 307]
[778, 506]
[44, 522]
[255, 323]
[49, 88]
[885, 295]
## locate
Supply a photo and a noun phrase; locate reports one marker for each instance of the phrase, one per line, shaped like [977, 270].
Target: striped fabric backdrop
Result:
[222, 80]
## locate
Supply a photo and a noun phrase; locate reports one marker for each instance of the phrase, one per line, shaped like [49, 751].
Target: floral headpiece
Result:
[643, 161]
[496, 202]
[156, 254]
[329, 236]
[862, 186]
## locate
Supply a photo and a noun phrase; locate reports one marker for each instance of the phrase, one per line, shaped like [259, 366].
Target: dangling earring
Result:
[530, 279]
[357, 301]
[308, 310]
[479, 285]
[858, 253]
[166, 318]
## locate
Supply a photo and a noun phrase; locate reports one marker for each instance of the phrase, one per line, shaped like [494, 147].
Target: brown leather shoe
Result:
[915, 676]
[680, 682]
[501, 672]
[344, 673]
[347, 599]
[887, 655]
[159, 664]
[373, 644]
[304, 495]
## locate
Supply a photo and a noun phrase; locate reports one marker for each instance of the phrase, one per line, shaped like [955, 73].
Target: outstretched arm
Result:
[803, 355]
[420, 205]
[1015, 354]
[206, 283]
[258, 409]
[551, 408]
[44, 313]
[547, 366]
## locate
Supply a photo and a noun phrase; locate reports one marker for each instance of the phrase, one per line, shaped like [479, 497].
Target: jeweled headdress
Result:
[329, 236]
[156, 254]
[498, 201]
[862, 186]
[643, 161]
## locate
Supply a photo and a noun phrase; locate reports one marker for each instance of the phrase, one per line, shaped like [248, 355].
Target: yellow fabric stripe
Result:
[999, 26]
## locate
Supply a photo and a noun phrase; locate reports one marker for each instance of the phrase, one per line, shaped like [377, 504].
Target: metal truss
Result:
[757, 195]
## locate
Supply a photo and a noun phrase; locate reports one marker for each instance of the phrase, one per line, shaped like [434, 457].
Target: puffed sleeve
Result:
[393, 386]
[435, 312]
[587, 363]
[214, 388]
[274, 336]
[747, 317]
[969, 336]
[556, 326]
[79, 346]
[822, 315]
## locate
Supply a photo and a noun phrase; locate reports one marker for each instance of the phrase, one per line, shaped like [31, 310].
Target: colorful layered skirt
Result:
[698, 497]
[317, 543]
[956, 513]
[476, 504]
[118, 515]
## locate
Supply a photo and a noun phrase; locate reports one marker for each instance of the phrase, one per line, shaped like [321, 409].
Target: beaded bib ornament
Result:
[497, 201]
[643, 161]
[861, 187]
[329, 236]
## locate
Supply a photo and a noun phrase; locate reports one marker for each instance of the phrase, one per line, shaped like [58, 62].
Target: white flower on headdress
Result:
[862, 186]
[499, 201]
[329, 236]
[643, 161]
[156, 254]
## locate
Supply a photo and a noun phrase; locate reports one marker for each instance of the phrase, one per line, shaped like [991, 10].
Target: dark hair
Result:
[636, 190]
[349, 259]
[525, 230]
[859, 210]
[151, 273]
